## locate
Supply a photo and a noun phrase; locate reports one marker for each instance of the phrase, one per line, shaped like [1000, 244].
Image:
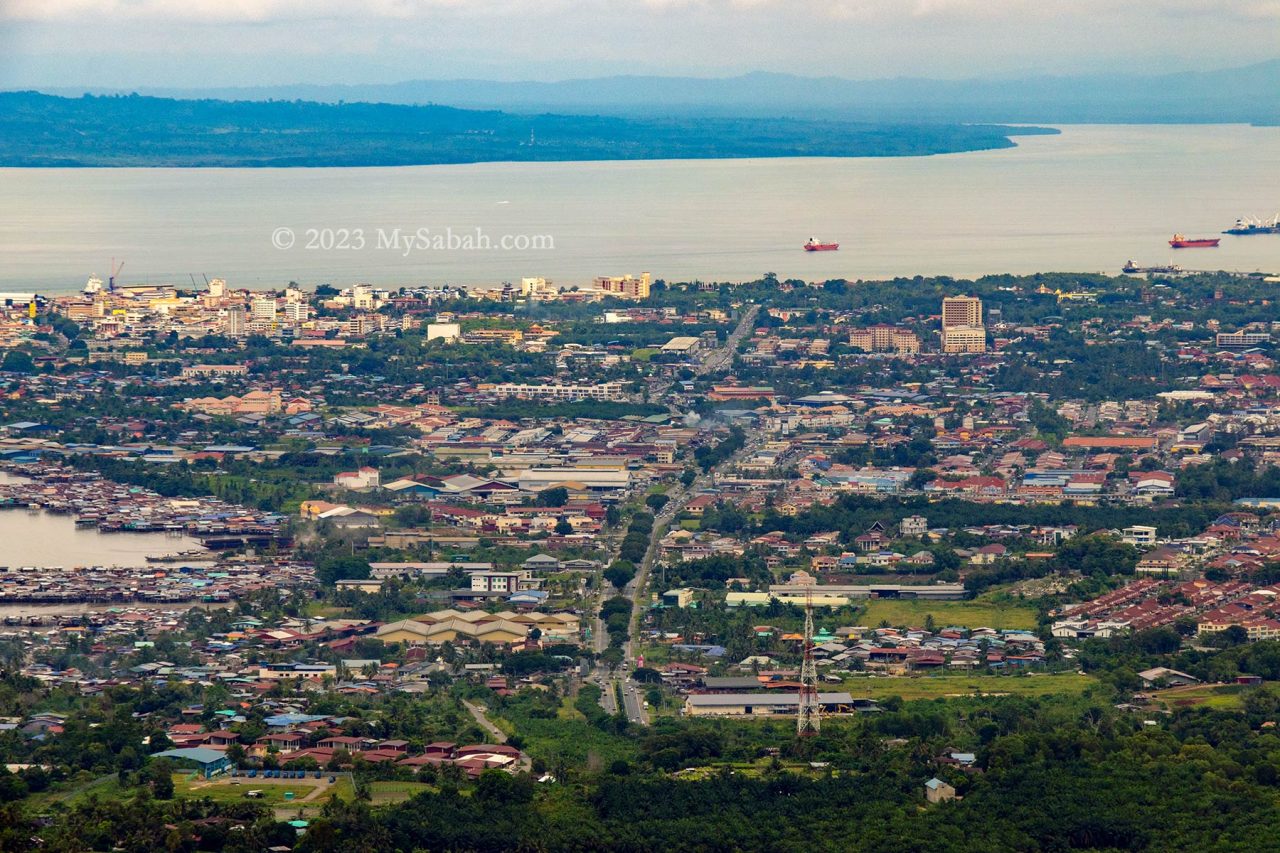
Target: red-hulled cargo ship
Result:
[1181, 242]
[815, 245]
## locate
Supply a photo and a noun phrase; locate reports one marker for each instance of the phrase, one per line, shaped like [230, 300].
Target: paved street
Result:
[637, 590]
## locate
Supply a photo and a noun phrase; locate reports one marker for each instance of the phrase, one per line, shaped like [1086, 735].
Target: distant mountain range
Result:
[1249, 95]
[135, 130]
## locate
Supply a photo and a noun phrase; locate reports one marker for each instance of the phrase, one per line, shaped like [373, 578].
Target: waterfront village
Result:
[409, 539]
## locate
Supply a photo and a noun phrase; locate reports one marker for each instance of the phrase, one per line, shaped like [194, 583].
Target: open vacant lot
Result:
[73, 793]
[967, 614]
[383, 793]
[1222, 697]
[953, 686]
[309, 791]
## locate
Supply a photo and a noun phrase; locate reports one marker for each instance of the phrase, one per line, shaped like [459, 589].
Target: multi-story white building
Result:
[502, 581]
[362, 297]
[1139, 534]
[603, 391]
[964, 339]
[234, 324]
[264, 308]
[296, 313]
[1240, 340]
[448, 332]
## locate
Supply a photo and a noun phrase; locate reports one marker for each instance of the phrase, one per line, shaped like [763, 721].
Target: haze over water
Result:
[1086, 200]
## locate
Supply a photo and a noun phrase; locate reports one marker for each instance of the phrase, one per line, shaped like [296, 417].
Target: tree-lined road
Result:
[677, 497]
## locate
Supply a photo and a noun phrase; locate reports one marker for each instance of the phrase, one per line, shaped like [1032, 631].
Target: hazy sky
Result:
[122, 43]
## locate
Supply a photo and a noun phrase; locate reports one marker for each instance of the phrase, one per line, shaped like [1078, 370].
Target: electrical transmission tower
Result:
[809, 714]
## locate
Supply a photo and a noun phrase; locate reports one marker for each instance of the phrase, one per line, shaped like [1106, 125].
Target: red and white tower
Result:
[809, 714]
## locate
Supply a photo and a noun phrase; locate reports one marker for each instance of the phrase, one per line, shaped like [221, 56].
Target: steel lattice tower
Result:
[809, 714]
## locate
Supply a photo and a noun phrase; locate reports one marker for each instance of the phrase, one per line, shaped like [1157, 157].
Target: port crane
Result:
[115, 271]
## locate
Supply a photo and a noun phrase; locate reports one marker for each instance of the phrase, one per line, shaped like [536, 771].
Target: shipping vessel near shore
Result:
[1245, 227]
[182, 557]
[816, 245]
[1180, 241]
[1133, 269]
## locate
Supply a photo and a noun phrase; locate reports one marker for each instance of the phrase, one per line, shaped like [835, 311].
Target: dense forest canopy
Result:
[42, 130]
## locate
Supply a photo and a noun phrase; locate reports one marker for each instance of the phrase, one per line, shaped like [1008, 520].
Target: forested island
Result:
[38, 130]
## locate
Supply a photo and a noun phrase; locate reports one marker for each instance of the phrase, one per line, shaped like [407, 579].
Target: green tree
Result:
[333, 569]
[18, 361]
[555, 496]
[657, 501]
[160, 774]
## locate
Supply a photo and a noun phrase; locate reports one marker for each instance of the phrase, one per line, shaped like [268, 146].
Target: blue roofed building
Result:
[210, 762]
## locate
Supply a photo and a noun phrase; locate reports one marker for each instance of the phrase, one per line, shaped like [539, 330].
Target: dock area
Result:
[118, 508]
[222, 583]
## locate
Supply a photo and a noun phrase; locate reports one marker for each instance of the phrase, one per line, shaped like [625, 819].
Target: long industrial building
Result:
[770, 704]
[596, 480]
[931, 592]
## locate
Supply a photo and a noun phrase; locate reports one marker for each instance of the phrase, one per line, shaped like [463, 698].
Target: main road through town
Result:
[617, 681]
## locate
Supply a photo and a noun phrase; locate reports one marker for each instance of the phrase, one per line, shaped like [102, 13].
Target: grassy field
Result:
[327, 611]
[751, 769]
[566, 711]
[655, 654]
[221, 790]
[224, 790]
[385, 793]
[1220, 697]
[978, 613]
[106, 787]
[273, 793]
[955, 686]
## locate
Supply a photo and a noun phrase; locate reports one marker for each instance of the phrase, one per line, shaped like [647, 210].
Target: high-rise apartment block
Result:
[961, 311]
[962, 329]
[885, 339]
[625, 287]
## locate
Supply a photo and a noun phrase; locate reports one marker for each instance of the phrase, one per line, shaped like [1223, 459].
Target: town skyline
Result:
[771, 426]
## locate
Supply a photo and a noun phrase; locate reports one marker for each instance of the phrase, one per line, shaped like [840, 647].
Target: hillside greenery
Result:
[132, 130]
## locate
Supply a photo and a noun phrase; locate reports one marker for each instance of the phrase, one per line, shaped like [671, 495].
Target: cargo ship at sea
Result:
[1133, 269]
[816, 245]
[1181, 242]
[1245, 227]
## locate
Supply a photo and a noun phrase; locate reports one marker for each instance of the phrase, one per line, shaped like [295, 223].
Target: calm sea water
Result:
[1086, 200]
[47, 539]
